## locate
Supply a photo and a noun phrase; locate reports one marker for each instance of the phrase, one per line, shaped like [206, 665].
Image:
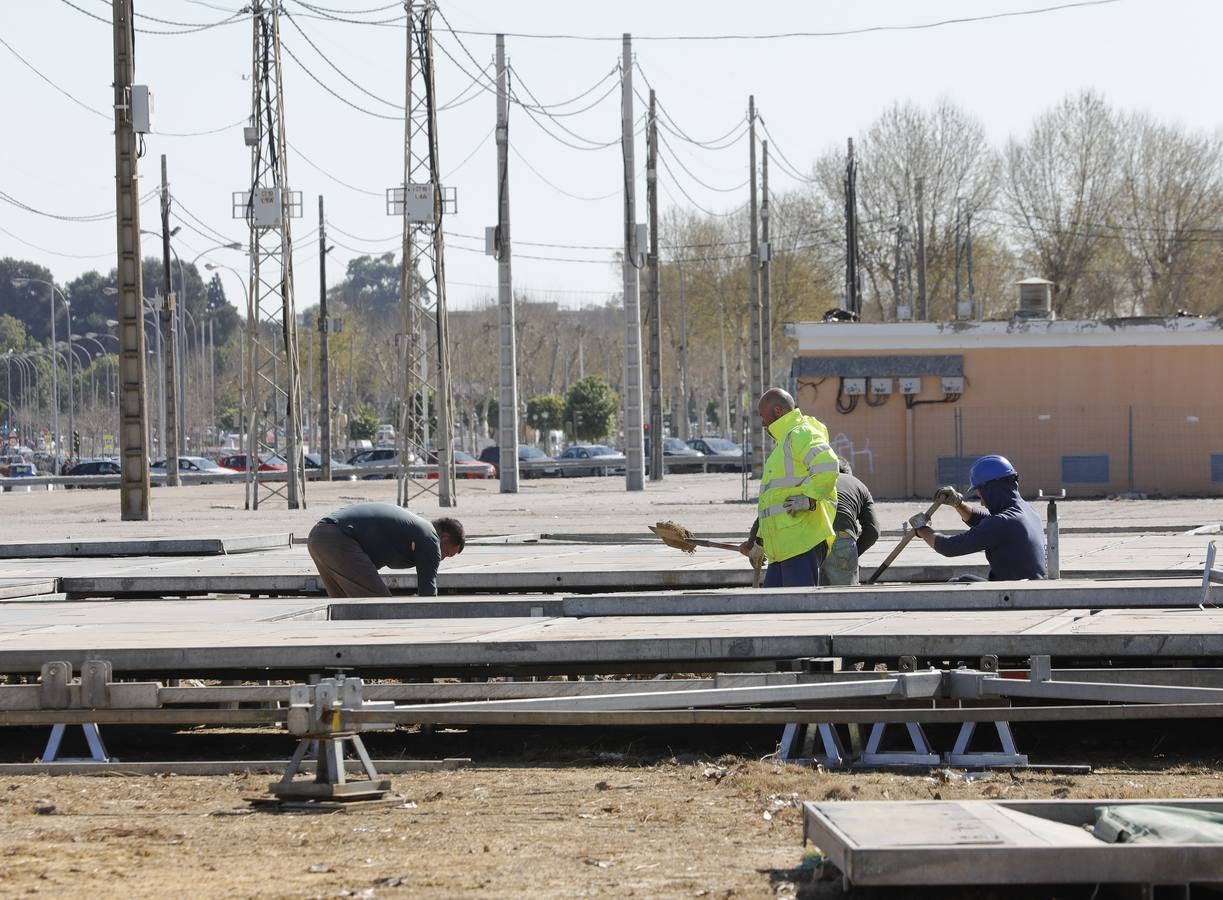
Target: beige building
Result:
[1099, 408]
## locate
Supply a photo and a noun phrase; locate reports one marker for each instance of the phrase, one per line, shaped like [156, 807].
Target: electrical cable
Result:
[110, 255]
[871, 29]
[369, 112]
[216, 235]
[788, 167]
[337, 69]
[90, 217]
[238, 17]
[476, 149]
[692, 175]
[352, 187]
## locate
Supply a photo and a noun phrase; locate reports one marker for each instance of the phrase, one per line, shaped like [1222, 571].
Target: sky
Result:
[1158, 56]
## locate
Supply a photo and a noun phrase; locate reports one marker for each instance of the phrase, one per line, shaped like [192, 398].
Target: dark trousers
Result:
[797, 571]
[343, 565]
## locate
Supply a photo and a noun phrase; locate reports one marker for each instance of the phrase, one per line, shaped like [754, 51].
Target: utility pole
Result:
[269, 206]
[753, 283]
[683, 358]
[507, 402]
[170, 338]
[324, 354]
[655, 306]
[420, 202]
[922, 311]
[972, 300]
[959, 256]
[634, 442]
[133, 411]
[853, 280]
[766, 279]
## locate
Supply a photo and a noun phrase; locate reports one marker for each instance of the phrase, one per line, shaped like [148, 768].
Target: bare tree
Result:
[1062, 188]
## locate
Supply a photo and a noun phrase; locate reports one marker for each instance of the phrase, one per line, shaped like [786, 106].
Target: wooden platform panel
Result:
[974, 842]
[146, 547]
[1122, 594]
[208, 638]
[518, 568]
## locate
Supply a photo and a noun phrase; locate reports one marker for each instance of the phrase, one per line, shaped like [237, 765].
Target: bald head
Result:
[774, 403]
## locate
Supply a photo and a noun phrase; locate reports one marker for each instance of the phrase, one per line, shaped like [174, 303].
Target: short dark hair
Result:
[453, 529]
[843, 467]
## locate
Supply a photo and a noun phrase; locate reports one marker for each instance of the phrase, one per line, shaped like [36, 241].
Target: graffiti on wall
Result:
[845, 449]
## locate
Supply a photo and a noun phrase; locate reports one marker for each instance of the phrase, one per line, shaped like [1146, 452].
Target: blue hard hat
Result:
[989, 468]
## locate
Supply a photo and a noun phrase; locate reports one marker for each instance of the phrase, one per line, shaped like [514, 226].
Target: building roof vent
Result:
[1035, 299]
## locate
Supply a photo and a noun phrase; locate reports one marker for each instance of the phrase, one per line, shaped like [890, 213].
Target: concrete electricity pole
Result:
[324, 352]
[634, 443]
[918, 187]
[766, 281]
[654, 306]
[853, 279]
[170, 427]
[133, 411]
[507, 402]
[756, 435]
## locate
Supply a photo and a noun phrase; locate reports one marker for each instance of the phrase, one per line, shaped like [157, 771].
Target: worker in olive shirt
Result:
[856, 526]
[350, 545]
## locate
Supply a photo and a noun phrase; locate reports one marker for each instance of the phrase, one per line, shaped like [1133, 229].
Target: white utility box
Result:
[855, 387]
[910, 386]
[953, 384]
[142, 109]
[881, 387]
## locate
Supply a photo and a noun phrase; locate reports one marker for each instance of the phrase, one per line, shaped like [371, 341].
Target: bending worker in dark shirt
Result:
[1008, 530]
[350, 545]
[856, 527]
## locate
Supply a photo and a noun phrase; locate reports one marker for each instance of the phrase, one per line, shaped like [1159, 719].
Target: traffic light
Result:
[76, 444]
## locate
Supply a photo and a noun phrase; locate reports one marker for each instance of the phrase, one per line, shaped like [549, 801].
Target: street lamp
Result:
[24, 281]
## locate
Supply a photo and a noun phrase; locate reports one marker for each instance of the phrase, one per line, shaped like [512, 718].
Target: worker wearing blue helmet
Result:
[1008, 530]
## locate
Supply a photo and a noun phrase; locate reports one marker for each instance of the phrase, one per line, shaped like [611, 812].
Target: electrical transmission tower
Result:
[423, 350]
[273, 380]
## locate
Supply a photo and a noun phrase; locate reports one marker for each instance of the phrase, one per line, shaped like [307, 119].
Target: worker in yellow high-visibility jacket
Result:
[798, 495]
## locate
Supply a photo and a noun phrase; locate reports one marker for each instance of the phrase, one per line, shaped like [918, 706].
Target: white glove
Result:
[756, 555]
[798, 503]
[921, 520]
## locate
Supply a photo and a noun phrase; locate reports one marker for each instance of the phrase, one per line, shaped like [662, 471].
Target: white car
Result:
[603, 460]
[194, 465]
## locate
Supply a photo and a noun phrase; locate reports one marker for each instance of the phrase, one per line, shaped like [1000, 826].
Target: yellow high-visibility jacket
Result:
[802, 463]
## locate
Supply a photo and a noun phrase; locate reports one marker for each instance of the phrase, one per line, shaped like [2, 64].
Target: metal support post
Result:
[170, 428]
[324, 352]
[766, 279]
[753, 292]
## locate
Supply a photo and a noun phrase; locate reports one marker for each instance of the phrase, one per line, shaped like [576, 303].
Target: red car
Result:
[268, 462]
[466, 466]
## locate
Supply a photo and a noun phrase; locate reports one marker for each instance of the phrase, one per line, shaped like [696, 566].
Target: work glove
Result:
[948, 496]
[798, 503]
[756, 556]
[921, 520]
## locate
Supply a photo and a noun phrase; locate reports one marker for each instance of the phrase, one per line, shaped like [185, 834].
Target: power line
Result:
[785, 35]
[352, 187]
[369, 112]
[787, 166]
[88, 217]
[337, 69]
[707, 186]
[193, 29]
[719, 143]
[474, 150]
[560, 190]
[111, 254]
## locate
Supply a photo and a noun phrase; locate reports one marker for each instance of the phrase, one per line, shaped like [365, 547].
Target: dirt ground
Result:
[587, 814]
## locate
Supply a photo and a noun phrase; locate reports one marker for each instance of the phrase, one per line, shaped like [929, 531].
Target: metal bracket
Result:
[1210, 577]
[798, 745]
[921, 755]
[961, 757]
[93, 738]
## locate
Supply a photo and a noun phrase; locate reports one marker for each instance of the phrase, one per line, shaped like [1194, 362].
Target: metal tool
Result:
[904, 542]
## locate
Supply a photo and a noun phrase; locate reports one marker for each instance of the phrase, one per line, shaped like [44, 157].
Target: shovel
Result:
[904, 542]
[675, 535]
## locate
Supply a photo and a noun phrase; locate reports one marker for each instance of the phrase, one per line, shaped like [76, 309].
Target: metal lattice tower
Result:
[423, 348]
[273, 380]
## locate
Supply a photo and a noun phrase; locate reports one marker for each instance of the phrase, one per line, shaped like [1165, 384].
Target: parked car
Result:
[526, 454]
[379, 456]
[675, 452]
[17, 467]
[721, 448]
[340, 471]
[94, 467]
[474, 468]
[604, 460]
[195, 465]
[268, 462]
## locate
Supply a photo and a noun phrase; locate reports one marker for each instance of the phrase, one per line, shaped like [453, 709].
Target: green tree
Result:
[590, 408]
[546, 412]
[364, 423]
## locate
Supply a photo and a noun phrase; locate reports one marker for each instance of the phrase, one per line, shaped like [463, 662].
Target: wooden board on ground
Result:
[978, 842]
[145, 547]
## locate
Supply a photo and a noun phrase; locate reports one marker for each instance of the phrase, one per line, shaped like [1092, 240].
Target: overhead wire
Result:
[352, 187]
[787, 166]
[337, 69]
[21, 240]
[369, 112]
[192, 29]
